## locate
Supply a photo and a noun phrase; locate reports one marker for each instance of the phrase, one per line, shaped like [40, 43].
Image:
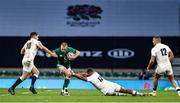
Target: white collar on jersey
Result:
[33, 39]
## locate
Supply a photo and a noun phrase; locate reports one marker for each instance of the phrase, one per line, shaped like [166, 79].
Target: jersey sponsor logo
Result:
[121, 53]
[60, 55]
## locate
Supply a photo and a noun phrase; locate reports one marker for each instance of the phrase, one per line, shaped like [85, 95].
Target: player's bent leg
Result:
[155, 81]
[35, 73]
[174, 83]
[11, 90]
[67, 74]
[121, 90]
[65, 92]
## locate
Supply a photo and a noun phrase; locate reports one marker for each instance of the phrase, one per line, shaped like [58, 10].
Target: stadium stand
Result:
[176, 67]
[106, 73]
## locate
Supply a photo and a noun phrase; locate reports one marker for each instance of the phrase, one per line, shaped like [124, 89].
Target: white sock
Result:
[36, 75]
[120, 94]
[22, 79]
[154, 91]
[178, 90]
[134, 92]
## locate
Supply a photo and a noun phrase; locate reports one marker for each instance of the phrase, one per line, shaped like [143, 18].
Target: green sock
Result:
[66, 83]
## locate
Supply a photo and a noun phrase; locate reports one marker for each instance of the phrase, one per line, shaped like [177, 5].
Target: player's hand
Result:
[72, 57]
[72, 73]
[66, 58]
[53, 55]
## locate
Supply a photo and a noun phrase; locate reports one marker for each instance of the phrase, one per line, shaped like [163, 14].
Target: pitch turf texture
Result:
[44, 95]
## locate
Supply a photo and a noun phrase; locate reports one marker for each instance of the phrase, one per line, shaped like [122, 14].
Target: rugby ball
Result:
[69, 55]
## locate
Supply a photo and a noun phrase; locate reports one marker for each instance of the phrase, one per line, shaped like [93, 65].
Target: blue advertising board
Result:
[79, 84]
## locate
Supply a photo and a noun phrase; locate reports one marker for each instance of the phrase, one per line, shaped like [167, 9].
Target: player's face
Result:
[63, 48]
[154, 41]
[36, 37]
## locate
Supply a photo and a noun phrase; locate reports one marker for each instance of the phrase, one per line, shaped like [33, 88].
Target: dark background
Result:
[10, 51]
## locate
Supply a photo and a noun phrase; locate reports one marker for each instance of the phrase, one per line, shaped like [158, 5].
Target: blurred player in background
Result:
[64, 64]
[163, 55]
[106, 87]
[29, 51]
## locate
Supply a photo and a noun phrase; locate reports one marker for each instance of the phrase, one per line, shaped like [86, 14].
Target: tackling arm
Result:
[80, 76]
[46, 50]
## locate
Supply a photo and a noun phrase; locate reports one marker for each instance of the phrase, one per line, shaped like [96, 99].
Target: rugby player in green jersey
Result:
[64, 63]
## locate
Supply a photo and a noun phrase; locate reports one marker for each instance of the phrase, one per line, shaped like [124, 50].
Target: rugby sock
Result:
[33, 81]
[178, 89]
[120, 94]
[154, 89]
[66, 83]
[18, 81]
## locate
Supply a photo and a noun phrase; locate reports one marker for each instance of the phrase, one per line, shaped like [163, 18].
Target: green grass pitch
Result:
[52, 95]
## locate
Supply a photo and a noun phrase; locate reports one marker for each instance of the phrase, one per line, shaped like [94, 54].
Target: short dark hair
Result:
[33, 33]
[157, 37]
[90, 70]
[64, 44]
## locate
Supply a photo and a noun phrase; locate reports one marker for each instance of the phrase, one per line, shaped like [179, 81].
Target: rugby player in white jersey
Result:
[29, 51]
[163, 55]
[106, 87]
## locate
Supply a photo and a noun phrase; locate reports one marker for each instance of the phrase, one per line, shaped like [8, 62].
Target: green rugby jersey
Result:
[62, 55]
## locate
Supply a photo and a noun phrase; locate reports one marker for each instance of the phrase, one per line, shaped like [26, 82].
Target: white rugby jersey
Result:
[99, 82]
[30, 49]
[160, 51]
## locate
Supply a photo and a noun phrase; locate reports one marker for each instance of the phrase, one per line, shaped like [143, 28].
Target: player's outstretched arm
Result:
[46, 50]
[80, 76]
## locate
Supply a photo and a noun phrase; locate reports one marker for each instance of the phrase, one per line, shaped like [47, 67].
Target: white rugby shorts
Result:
[167, 69]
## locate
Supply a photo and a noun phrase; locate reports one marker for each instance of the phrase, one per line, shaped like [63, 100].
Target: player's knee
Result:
[68, 76]
[156, 77]
[67, 73]
[37, 72]
[171, 77]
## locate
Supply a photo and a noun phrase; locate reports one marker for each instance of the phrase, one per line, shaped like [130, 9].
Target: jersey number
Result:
[28, 45]
[163, 51]
[100, 78]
